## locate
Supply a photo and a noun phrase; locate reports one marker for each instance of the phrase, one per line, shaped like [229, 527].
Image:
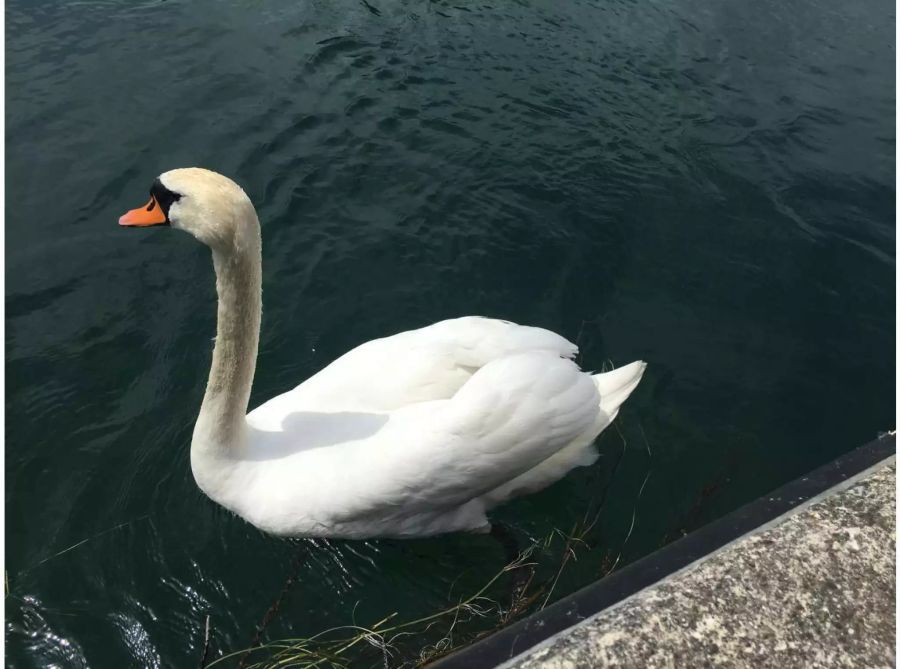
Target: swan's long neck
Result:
[221, 427]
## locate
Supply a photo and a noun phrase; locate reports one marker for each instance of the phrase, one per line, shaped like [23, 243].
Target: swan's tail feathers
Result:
[617, 385]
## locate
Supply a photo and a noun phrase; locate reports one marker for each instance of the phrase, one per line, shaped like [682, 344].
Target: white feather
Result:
[422, 432]
[411, 435]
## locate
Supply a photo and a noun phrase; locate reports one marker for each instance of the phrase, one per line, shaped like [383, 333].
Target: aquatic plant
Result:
[415, 643]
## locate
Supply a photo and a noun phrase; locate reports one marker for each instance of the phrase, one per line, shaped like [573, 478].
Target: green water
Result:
[706, 186]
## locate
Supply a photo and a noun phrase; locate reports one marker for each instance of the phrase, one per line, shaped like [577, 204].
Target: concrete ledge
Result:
[813, 588]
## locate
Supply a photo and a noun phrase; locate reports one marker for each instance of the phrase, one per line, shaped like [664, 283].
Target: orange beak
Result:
[150, 214]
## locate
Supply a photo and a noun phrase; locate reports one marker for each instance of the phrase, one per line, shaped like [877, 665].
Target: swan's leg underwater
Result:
[507, 540]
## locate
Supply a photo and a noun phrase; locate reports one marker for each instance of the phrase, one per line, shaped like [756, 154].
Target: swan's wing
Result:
[513, 414]
[430, 363]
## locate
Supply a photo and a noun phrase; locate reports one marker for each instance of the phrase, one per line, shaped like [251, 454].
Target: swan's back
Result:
[431, 363]
[428, 430]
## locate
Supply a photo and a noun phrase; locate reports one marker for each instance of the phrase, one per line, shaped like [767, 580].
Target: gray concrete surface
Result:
[813, 588]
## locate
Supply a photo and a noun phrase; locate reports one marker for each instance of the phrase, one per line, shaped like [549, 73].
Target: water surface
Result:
[708, 187]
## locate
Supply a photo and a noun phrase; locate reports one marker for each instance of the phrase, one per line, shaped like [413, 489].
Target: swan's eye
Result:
[163, 196]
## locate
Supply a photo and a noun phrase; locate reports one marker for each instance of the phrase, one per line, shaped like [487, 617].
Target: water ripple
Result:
[708, 187]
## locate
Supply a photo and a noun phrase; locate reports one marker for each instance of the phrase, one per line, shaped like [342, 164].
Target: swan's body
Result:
[411, 435]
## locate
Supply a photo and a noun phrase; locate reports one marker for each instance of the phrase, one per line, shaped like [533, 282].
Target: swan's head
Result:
[206, 204]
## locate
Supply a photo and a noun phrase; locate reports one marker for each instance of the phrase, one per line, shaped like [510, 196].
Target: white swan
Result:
[411, 435]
